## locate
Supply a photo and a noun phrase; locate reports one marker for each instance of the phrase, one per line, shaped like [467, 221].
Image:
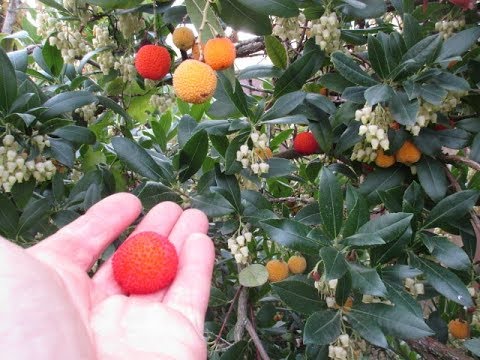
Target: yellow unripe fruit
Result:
[277, 270]
[408, 154]
[384, 161]
[194, 82]
[183, 38]
[297, 264]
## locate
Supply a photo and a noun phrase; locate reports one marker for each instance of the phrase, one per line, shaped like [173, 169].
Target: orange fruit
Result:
[384, 161]
[408, 154]
[459, 329]
[153, 62]
[194, 82]
[277, 270]
[264, 154]
[297, 264]
[219, 53]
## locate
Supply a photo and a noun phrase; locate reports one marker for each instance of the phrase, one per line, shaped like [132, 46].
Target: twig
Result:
[200, 29]
[256, 340]
[227, 315]
[250, 87]
[241, 315]
[455, 158]
[432, 349]
[288, 199]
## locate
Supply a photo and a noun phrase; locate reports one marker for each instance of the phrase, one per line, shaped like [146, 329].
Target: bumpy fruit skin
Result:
[297, 264]
[408, 154]
[277, 270]
[264, 154]
[145, 263]
[219, 53]
[153, 62]
[305, 143]
[183, 38]
[194, 82]
[459, 329]
[384, 161]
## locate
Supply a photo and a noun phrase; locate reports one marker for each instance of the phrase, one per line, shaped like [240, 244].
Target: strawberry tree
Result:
[339, 167]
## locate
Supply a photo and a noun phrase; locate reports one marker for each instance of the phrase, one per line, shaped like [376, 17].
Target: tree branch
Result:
[431, 349]
[227, 315]
[256, 340]
[455, 158]
[10, 16]
[241, 315]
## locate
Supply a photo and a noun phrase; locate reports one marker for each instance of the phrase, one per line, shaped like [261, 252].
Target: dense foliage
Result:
[380, 198]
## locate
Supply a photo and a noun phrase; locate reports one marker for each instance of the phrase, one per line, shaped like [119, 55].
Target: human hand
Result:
[51, 309]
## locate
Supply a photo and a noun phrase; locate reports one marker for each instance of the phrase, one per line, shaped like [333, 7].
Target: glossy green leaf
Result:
[413, 199]
[443, 280]
[76, 134]
[322, 327]
[236, 351]
[22, 192]
[381, 180]
[363, 239]
[8, 82]
[8, 217]
[53, 58]
[63, 151]
[240, 17]
[212, 204]
[393, 249]
[259, 71]
[366, 280]
[364, 8]
[378, 93]
[292, 234]
[284, 105]
[276, 51]
[458, 44]
[447, 252]
[299, 296]
[309, 215]
[367, 329]
[358, 212]
[195, 10]
[330, 200]
[473, 345]
[253, 275]
[335, 82]
[334, 263]
[34, 213]
[67, 102]
[343, 289]
[403, 110]
[192, 155]
[237, 96]
[389, 226]
[281, 8]
[376, 55]
[412, 31]
[432, 177]
[230, 184]
[154, 193]
[349, 69]
[401, 298]
[450, 208]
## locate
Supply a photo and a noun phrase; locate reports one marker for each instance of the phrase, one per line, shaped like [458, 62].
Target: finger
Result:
[161, 219]
[190, 222]
[190, 291]
[83, 241]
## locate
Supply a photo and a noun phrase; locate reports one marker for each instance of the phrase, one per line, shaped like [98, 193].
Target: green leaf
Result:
[458, 44]
[330, 200]
[322, 327]
[398, 295]
[276, 52]
[8, 217]
[154, 193]
[19, 59]
[323, 133]
[475, 149]
[8, 82]
[281, 8]
[284, 105]
[259, 71]
[392, 198]
[320, 102]
[389, 226]
[240, 17]
[253, 275]
[236, 351]
[195, 10]
[358, 213]
[299, 72]
[67, 102]
[393, 249]
[137, 159]
[230, 184]
[430, 141]
[232, 166]
[217, 297]
[299, 296]
[413, 199]
[112, 105]
[334, 263]
[446, 252]
[423, 51]
[381, 180]
[279, 167]
[366, 280]
[443, 280]
[53, 58]
[212, 204]
[349, 69]
[237, 96]
[376, 55]
[360, 240]
[403, 110]
[22, 192]
[432, 177]
[364, 8]
[292, 234]
[33, 214]
[452, 207]
[378, 93]
[393, 320]
[335, 82]
[343, 289]
[309, 215]
[367, 329]
[412, 32]
[192, 155]
[63, 151]
[76, 134]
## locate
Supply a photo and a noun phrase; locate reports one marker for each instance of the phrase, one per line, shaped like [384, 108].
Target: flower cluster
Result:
[289, 28]
[414, 286]
[102, 39]
[125, 65]
[255, 159]
[238, 246]
[447, 28]
[130, 24]
[374, 127]
[88, 112]
[327, 32]
[427, 114]
[15, 166]
[339, 350]
[162, 102]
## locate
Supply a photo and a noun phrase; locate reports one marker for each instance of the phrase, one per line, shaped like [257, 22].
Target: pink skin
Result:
[464, 4]
[50, 308]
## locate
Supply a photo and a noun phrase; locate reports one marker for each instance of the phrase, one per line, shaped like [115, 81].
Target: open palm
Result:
[51, 309]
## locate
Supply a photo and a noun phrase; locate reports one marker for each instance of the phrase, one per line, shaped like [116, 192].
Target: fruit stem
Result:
[200, 29]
